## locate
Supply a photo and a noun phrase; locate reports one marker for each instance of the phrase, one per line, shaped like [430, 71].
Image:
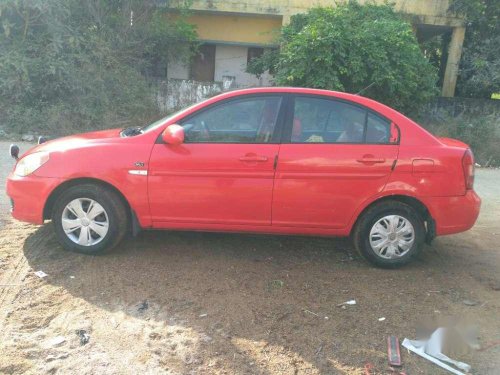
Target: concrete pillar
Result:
[286, 19]
[454, 53]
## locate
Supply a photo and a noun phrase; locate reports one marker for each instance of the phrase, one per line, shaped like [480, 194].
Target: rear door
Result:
[223, 173]
[336, 155]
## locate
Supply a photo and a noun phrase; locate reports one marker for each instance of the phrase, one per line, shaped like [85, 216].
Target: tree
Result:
[353, 48]
[69, 65]
[479, 74]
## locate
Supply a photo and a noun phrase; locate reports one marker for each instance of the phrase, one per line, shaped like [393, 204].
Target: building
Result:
[234, 31]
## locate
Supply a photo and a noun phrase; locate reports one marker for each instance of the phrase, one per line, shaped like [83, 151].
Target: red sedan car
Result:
[266, 160]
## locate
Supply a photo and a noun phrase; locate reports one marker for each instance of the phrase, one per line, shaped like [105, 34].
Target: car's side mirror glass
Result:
[173, 135]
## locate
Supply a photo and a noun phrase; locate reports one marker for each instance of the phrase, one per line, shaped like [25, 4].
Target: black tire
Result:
[361, 233]
[114, 207]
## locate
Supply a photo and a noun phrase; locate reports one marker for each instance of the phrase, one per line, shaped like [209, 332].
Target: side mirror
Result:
[173, 135]
[14, 151]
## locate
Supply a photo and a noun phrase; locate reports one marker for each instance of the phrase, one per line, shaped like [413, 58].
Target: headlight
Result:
[31, 163]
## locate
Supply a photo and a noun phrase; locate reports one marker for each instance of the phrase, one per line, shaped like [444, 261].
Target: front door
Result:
[223, 173]
[337, 155]
[203, 65]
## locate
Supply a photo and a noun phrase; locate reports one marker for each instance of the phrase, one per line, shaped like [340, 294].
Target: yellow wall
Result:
[432, 12]
[252, 30]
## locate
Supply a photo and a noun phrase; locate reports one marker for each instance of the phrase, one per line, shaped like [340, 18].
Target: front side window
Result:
[251, 120]
[318, 120]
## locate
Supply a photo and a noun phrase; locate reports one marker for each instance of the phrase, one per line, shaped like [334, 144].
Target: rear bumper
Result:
[454, 214]
[28, 196]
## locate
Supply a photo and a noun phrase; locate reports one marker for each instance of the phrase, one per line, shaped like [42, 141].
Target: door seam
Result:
[274, 181]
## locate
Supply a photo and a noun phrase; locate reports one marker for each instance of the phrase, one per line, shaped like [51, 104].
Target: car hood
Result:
[78, 140]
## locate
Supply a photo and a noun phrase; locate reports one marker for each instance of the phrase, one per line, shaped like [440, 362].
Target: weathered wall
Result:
[231, 61]
[433, 12]
[456, 107]
[174, 94]
[240, 29]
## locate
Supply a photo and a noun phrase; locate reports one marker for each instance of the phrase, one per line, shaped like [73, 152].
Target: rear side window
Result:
[318, 120]
[378, 130]
[251, 120]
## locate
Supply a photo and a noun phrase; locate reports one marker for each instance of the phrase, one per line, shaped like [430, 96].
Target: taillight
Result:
[468, 166]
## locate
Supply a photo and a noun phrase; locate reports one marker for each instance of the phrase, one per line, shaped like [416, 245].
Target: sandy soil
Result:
[181, 303]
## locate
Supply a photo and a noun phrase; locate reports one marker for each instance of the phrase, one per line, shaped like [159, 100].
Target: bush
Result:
[354, 48]
[71, 66]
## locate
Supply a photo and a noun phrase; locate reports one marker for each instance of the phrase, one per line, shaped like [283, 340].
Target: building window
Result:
[254, 52]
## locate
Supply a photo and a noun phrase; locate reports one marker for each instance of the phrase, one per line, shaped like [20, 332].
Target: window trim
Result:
[288, 129]
[278, 128]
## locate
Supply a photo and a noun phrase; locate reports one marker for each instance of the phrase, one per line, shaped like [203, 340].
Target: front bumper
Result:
[454, 214]
[28, 196]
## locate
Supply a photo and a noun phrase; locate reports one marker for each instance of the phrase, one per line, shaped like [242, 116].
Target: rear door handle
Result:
[370, 160]
[253, 158]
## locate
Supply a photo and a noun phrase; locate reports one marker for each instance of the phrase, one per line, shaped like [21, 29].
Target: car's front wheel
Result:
[89, 219]
[389, 234]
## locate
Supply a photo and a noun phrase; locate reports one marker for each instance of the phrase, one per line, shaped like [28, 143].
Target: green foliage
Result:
[68, 65]
[353, 48]
[479, 74]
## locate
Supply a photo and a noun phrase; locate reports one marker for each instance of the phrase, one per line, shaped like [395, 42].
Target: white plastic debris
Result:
[350, 302]
[72, 277]
[203, 315]
[431, 350]
[55, 341]
[381, 319]
[41, 274]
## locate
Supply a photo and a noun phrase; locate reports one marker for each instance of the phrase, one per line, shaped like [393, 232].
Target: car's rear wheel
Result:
[389, 234]
[89, 219]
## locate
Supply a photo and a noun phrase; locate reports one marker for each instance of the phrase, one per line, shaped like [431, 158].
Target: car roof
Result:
[370, 103]
[285, 89]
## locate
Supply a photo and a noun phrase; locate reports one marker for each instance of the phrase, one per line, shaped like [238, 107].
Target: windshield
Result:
[165, 119]
[158, 122]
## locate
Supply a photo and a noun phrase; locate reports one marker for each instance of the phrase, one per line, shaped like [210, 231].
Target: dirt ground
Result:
[201, 303]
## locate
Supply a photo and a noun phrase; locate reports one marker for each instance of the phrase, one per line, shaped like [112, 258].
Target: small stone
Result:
[206, 338]
[28, 138]
[143, 306]
[468, 302]
[52, 357]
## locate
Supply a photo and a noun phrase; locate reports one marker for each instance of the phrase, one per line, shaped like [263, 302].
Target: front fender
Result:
[109, 163]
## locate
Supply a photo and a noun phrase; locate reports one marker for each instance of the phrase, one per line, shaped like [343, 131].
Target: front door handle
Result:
[253, 158]
[370, 160]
